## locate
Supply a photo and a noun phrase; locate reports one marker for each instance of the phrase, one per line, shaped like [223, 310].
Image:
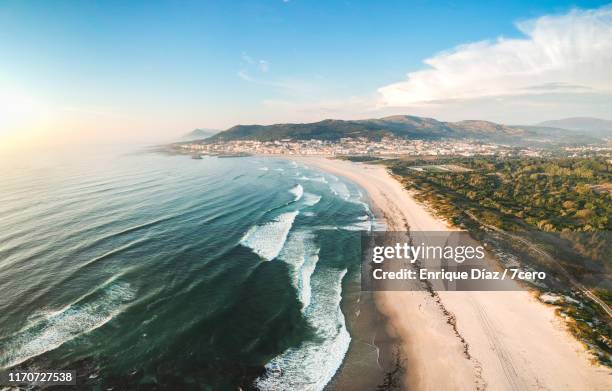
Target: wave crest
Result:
[57, 328]
[311, 199]
[297, 191]
[314, 363]
[302, 254]
[268, 239]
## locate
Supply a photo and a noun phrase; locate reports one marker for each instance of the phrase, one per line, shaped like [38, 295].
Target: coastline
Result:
[467, 340]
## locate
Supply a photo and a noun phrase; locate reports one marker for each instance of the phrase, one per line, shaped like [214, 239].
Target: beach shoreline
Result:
[467, 340]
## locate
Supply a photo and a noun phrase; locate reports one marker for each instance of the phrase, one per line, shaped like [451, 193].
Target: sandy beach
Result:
[468, 340]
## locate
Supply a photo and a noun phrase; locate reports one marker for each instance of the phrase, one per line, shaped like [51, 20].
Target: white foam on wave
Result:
[312, 179]
[314, 363]
[340, 189]
[363, 225]
[374, 223]
[359, 201]
[297, 191]
[263, 168]
[56, 328]
[365, 205]
[356, 196]
[302, 254]
[379, 225]
[311, 199]
[268, 239]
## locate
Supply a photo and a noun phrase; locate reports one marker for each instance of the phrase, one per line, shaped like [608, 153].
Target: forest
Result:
[555, 195]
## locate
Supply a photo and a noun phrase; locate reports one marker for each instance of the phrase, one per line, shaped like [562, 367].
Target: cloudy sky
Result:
[113, 71]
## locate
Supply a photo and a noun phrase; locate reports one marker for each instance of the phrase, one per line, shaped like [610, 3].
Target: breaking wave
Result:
[302, 254]
[311, 199]
[365, 225]
[268, 239]
[297, 191]
[314, 363]
[312, 179]
[340, 189]
[56, 328]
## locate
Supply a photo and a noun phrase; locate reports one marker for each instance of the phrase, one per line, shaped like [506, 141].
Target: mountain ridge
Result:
[199, 134]
[595, 126]
[403, 126]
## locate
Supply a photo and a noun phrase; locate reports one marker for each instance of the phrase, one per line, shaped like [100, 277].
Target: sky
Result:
[106, 71]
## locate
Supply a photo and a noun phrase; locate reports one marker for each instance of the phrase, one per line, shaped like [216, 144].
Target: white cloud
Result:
[248, 59]
[261, 65]
[288, 86]
[565, 54]
[264, 65]
[244, 75]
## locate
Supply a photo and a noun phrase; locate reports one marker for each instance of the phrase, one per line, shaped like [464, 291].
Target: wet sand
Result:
[468, 340]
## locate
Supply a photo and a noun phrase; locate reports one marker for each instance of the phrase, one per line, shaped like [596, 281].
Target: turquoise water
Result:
[149, 269]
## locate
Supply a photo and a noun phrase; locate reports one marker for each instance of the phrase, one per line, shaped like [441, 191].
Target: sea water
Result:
[145, 268]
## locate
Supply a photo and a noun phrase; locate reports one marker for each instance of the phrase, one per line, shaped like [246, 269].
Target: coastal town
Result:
[360, 146]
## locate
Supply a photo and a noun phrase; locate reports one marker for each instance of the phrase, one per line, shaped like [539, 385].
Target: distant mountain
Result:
[199, 133]
[543, 134]
[398, 125]
[593, 126]
[404, 126]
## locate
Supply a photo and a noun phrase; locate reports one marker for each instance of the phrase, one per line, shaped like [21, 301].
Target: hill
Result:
[404, 126]
[199, 133]
[594, 126]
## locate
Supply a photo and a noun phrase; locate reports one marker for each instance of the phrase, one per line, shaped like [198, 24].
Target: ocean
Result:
[140, 269]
